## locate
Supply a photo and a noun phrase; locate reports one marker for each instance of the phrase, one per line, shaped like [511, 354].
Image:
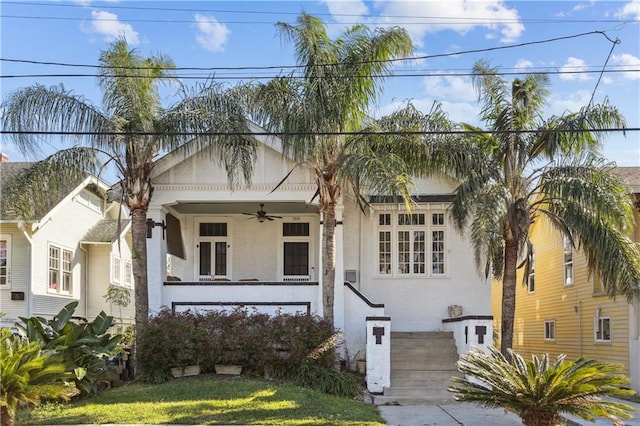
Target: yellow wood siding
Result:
[572, 307]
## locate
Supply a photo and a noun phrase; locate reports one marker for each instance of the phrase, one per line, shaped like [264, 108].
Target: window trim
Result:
[9, 246]
[295, 239]
[116, 264]
[213, 240]
[566, 243]
[550, 337]
[60, 270]
[128, 274]
[531, 278]
[598, 321]
[393, 226]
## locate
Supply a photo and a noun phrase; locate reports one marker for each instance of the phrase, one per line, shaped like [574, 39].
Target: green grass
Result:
[208, 400]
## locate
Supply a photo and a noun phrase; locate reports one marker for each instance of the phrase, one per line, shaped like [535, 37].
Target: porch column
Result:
[338, 288]
[156, 261]
[378, 354]
[320, 304]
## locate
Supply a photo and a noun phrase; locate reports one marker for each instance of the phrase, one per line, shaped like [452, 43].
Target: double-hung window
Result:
[550, 330]
[5, 261]
[531, 278]
[60, 270]
[602, 329]
[411, 244]
[295, 249]
[567, 260]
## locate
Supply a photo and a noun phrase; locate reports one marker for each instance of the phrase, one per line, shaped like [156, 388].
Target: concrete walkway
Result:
[462, 413]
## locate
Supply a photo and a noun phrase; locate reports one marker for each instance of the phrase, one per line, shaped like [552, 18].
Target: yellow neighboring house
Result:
[562, 309]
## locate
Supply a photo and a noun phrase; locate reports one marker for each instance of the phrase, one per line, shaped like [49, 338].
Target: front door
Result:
[212, 251]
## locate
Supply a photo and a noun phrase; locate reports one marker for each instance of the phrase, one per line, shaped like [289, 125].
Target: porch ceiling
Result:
[231, 207]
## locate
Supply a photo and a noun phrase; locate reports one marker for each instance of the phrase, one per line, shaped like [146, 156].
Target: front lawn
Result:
[207, 399]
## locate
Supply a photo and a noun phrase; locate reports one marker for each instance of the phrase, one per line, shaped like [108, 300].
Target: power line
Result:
[319, 133]
[293, 77]
[271, 12]
[282, 67]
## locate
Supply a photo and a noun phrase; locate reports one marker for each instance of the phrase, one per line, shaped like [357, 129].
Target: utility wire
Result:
[300, 77]
[282, 67]
[320, 133]
[271, 12]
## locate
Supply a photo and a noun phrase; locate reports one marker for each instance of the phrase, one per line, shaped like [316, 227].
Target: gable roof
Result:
[105, 231]
[181, 154]
[630, 176]
[11, 171]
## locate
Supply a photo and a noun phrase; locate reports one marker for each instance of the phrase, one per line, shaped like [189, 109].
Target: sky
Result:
[573, 41]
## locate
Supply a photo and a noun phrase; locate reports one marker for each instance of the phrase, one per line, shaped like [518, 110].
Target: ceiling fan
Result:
[262, 215]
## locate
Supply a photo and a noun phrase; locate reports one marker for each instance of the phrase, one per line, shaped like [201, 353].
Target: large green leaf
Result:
[101, 323]
[64, 316]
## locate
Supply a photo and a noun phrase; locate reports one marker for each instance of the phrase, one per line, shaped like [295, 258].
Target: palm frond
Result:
[540, 389]
[52, 109]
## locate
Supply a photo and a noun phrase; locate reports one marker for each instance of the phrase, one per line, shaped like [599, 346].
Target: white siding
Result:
[20, 265]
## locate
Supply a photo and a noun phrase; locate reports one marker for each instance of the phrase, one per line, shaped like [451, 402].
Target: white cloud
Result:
[627, 61]
[346, 11]
[631, 9]
[581, 6]
[211, 34]
[523, 64]
[108, 25]
[573, 65]
[455, 15]
[571, 102]
[452, 88]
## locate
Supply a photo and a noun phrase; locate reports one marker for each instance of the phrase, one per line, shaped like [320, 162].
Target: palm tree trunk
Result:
[139, 266]
[5, 417]
[328, 261]
[508, 295]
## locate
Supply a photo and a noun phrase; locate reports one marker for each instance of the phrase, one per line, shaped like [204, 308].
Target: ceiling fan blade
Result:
[269, 217]
[249, 214]
[277, 217]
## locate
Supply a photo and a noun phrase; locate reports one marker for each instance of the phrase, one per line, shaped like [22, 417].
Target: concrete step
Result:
[417, 392]
[421, 353]
[421, 335]
[433, 364]
[442, 375]
[422, 343]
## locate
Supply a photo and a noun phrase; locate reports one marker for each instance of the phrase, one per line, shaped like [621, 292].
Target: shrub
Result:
[28, 374]
[327, 380]
[254, 340]
[85, 347]
[538, 390]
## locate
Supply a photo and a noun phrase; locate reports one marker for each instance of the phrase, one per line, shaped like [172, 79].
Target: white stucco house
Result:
[73, 251]
[211, 248]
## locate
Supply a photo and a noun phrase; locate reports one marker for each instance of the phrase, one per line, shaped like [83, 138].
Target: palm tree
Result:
[129, 130]
[538, 390]
[28, 374]
[316, 112]
[524, 167]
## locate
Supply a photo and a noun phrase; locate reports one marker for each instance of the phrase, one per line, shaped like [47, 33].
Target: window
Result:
[60, 270]
[550, 330]
[567, 260]
[295, 249]
[212, 246]
[531, 278]
[91, 200]
[5, 261]
[602, 331]
[128, 274]
[115, 269]
[411, 244]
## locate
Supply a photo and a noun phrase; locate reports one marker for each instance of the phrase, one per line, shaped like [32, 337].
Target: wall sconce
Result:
[151, 224]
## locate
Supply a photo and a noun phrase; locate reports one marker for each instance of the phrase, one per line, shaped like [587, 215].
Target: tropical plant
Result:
[540, 390]
[85, 347]
[28, 374]
[119, 296]
[321, 116]
[523, 167]
[127, 132]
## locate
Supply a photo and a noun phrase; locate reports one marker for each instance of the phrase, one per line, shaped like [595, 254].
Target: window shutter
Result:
[175, 245]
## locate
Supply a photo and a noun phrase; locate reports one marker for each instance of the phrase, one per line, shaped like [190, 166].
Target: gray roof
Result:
[8, 172]
[630, 175]
[105, 231]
